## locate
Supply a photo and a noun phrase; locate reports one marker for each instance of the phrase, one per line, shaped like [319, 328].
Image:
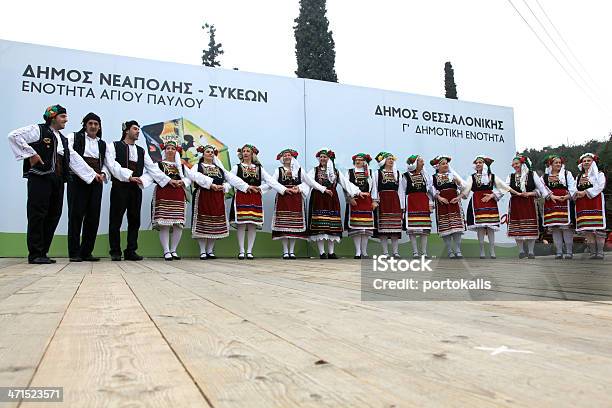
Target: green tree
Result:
[210, 56]
[449, 81]
[314, 44]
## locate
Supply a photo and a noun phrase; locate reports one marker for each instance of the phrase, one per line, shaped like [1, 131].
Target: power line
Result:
[594, 92]
[554, 56]
[565, 42]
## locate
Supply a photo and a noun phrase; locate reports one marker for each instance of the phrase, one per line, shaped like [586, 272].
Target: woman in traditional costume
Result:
[211, 182]
[324, 217]
[289, 222]
[482, 212]
[416, 198]
[169, 206]
[359, 214]
[522, 210]
[447, 185]
[247, 213]
[559, 207]
[590, 205]
[388, 215]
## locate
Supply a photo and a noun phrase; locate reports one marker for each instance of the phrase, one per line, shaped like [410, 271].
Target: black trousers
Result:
[44, 209]
[84, 202]
[124, 197]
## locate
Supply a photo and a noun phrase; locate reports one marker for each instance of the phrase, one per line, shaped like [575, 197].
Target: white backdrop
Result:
[285, 112]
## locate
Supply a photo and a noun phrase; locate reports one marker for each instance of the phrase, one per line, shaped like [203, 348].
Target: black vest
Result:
[46, 148]
[79, 146]
[443, 185]
[324, 181]
[390, 185]
[556, 184]
[362, 182]
[218, 176]
[483, 187]
[122, 157]
[529, 185]
[415, 188]
[289, 181]
[174, 175]
[250, 180]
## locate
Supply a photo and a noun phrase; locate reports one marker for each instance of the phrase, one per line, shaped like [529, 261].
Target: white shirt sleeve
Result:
[500, 189]
[598, 185]
[541, 189]
[271, 183]
[115, 169]
[466, 188]
[199, 178]
[79, 167]
[401, 191]
[571, 184]
[234, 181]
[184, 178]
[349, 187]
[19, 139]
[153, 171]
[308, 183]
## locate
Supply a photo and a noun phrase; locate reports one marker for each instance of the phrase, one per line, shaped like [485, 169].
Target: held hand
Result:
[36, 159]
[455, 200]
[136, 180]
[364, 195]
[374, 205]
[442, 200]
[174, 183]
[103, 177]
[99, 178]
[288, 191]
[486, 198]
[328, 192]
[352, 201]
[254, 190]
[565, 197]
[216, 187]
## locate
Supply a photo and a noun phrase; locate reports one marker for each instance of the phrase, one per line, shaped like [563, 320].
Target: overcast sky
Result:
[390, 44]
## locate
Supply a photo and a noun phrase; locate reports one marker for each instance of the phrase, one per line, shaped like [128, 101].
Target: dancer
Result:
[388, 215]
[522, 211]
[289, 222]
[590, 204]
[447, 185]
[559, 217]
[169, 206]
[359, 215]
[247, 213]
[47, 156]
[324, 218]
[416, 198]
[482, 212]
[211, 182]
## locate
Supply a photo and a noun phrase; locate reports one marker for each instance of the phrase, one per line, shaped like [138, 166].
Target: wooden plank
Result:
[236, 361]
[15, 277]
[107, 352]
[29, 319]
[374, 335]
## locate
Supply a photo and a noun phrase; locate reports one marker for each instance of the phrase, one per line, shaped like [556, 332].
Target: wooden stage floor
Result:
[273, 333]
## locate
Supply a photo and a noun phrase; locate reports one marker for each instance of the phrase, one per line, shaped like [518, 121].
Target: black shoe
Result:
[292, 256]
[115, 257]
[332, 256]
[522, 255]
[531, 256]
[76, 259]
[132, 257]
[483, 257]
[559, 256]
[168, 256]
[285, 256]
[323, 256]
[250, 256]
[41, 260]
[211, 256]
[357, 257]
[365, 256]
[51, 260]
[241, 255]
[90, 258]
[176, 256]
[569, 256]
[397, 256]
[203, 256]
